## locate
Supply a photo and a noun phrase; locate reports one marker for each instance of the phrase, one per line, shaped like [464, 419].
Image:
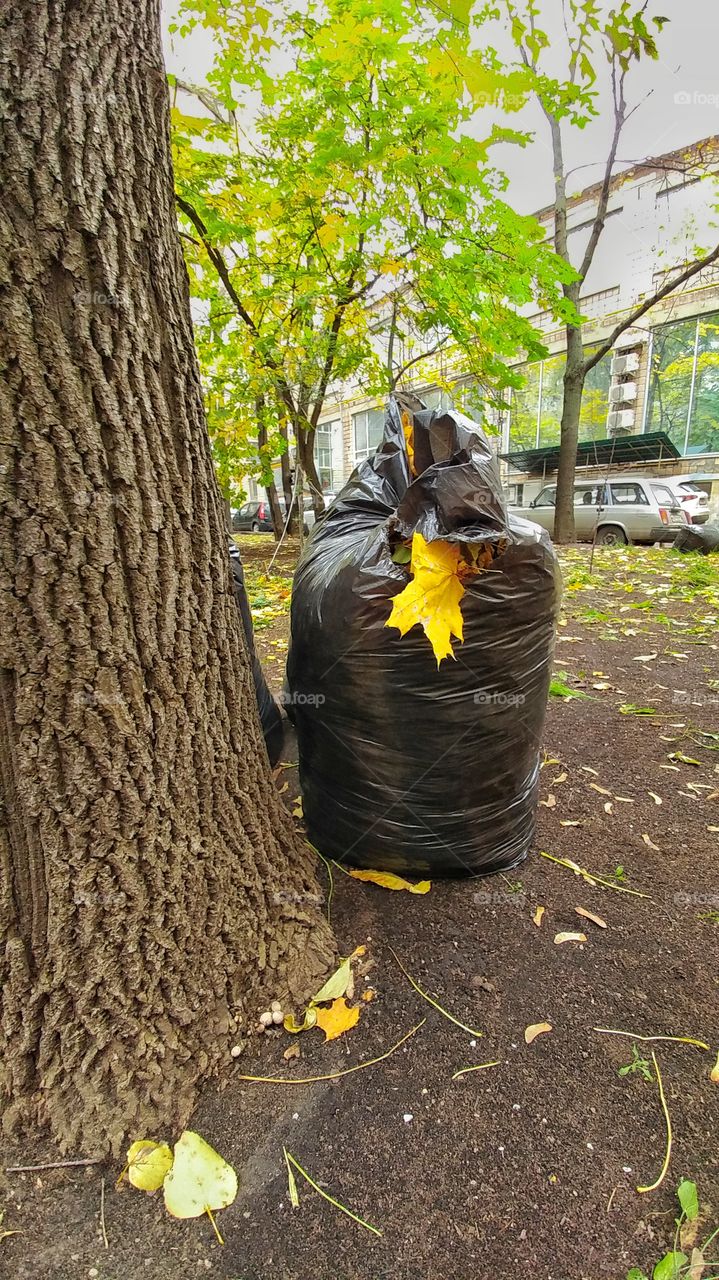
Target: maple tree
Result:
[343, 196]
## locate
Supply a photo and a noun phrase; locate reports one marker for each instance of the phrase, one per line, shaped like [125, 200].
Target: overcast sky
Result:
[683, 106]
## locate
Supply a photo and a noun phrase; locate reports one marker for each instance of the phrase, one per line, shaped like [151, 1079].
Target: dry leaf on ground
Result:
[337, 1019]
[589, 915]
[650, 843]
[559, 938]
[199, 1180]
[148, 1164]
[536, 1029]
[537, 917]
[387, 880]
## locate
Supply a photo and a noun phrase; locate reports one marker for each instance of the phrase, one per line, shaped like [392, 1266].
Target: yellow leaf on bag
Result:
[199, 1178]
[148, 1163]
[337, 1019]
[408, 429]
[386, 880]
[432, 597]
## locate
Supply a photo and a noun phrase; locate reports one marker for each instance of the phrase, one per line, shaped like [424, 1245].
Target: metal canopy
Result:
[654, 446]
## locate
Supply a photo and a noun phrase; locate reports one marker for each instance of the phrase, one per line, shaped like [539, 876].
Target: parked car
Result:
[328, 499]
[694, 500]
[623, 509]
[253, 516]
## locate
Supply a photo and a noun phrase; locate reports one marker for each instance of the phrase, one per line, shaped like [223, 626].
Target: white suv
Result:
[623, 509]
[694, 500]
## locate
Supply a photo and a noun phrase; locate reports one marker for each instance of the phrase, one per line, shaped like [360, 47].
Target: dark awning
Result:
[619, 450]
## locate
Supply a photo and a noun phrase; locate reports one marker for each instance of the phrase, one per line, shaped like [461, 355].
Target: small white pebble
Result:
[590, 1146]
[425, 1091]
[473, 1044]
[93, 1272]
[266, 1019]
[516, 1106]
[236, 1050]
[407, 1117]
[626, 1168]
[275, 1006]
[278, 1017]
[295, 1115]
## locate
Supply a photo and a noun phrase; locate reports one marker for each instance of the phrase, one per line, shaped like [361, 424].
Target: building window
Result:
[684, 383]
[367, 430]
[323, 453]
[536, 407]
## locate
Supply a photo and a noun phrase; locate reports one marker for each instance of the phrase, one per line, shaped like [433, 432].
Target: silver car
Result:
[694, 499]
[623, 509]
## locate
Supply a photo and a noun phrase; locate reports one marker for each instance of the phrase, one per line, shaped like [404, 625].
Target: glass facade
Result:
[536, 407]
[683, 393]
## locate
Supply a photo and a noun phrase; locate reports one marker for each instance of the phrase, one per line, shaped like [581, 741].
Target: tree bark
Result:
[573, 390]
[152, 888]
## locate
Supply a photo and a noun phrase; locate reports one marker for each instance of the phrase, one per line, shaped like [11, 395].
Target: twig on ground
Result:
[55, 1164]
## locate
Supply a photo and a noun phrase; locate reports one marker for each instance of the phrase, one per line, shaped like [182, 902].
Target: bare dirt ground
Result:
[528, 1168]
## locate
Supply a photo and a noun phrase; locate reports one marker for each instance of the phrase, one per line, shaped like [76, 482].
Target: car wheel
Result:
[254, 527]
[611, 536]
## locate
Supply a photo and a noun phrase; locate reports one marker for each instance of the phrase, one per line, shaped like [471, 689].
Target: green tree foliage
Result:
[341, 203]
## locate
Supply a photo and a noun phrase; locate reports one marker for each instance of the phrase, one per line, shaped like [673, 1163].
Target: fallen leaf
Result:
[561, 777]
[368, 995]
[336, 985]
[537, 917]
[657, 799]
[432, 597]
[559, 938]
[199, 1180]
[551, 761]
[386, 880]
[650, 843]
[645, 657]
[714, 1074]
[292, 1052]
[309, 1020]
[608, 806]
[623, 800]
[148, 1163]
[536, 1029]
[602, 790]
[679, 755]
[337, 1019]
[588, 769]
[550, 802]
[570, 822]
[589, 915]
[697, 1265]
[297, 812]
[714, 796]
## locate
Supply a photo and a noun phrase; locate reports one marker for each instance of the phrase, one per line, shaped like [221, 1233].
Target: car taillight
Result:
[261, 511]
[688, 497]
[664, 515]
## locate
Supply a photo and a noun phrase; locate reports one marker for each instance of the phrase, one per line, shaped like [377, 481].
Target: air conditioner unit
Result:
[620, 421]
[625, 364]
[623, 393]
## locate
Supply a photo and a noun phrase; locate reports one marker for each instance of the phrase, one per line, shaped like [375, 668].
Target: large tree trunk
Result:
[573, 389]
[152, 889]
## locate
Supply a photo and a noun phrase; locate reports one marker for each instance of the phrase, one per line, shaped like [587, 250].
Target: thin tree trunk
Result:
[152, 889]
[271, 488]
[573, 389]
[306, 450]
[286, 471]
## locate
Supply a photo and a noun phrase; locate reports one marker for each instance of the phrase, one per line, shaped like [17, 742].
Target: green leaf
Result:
[669, 1266]
[636, 1273]
[688, 1199]
[335, 986]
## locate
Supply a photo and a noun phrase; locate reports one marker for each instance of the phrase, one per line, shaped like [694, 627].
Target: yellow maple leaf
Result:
[199, 1180]
[148, 1163]
[408, 430]
[432, 597]
[386, 880]
[337, 1019]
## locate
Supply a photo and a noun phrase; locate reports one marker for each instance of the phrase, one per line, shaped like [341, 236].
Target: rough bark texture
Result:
[152, 887]
[573, 390]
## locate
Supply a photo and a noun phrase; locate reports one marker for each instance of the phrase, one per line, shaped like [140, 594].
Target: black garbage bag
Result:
[406, 765]
[270, 714]
[703, 538]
